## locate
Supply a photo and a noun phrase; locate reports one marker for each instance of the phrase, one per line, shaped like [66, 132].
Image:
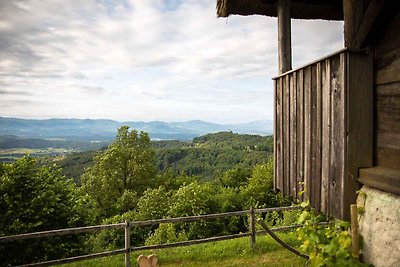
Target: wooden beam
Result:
[369, 19]
[353, 13]
[382, 178]
[284, 36]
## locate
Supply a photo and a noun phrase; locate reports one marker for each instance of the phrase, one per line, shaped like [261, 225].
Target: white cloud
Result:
[144, 59]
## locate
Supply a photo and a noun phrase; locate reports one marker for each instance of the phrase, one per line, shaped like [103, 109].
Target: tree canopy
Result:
[121, 173]
[36, 198]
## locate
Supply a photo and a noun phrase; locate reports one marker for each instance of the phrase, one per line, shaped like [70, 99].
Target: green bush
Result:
[36, 198]
[326, 245]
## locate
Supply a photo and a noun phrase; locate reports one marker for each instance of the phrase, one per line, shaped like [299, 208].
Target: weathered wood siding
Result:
[387, 91]
[323, 130]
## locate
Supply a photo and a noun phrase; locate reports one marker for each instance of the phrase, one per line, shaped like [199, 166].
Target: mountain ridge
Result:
[105, 129]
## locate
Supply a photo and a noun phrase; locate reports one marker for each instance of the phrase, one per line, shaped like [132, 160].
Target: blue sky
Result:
[144, 60]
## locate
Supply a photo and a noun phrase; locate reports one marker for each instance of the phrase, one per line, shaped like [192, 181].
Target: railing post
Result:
[127, 244]
[354, 231]
[252, 229]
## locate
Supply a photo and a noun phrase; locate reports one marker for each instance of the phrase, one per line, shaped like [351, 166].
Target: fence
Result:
[127, 225]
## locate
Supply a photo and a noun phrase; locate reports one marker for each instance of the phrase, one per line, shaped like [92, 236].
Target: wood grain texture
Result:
[369, 19]
[307, 130]
[286, 127]
[316, 135]
[360, 121]
[300, 132]
[387, 179]
[284, 36]
[281, 137]
[326, 134]
[293, 136]
[387, 92]
[353, 14]
[337, 139]
[326, 122]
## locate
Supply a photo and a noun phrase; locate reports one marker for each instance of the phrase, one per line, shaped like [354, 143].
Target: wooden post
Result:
[355, 241]
[353, 14]
[127, 244]
[284, 36]
[252, 229]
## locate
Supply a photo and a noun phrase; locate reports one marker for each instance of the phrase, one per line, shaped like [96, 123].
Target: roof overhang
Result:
[300, 9]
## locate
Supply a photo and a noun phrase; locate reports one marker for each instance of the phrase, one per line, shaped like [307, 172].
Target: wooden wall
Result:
[323, 130]
[387, 94]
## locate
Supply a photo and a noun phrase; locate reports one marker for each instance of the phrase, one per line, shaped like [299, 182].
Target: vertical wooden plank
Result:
[319, 131]
[276, 133]
[316, 136]
[281, 137]
[300, 131]
[307, 130]
[293, 137]
[344, 212]
[286, 127]
[360, 119]
[252, 229]
[337, 149]
[326, 133]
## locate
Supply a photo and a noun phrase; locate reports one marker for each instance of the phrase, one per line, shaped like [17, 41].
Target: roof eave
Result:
[324, 10]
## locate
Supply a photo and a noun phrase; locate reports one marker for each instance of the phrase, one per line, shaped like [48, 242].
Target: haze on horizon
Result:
[144, 60]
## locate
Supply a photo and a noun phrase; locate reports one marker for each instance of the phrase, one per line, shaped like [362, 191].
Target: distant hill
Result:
[103, 130]
[206, 156]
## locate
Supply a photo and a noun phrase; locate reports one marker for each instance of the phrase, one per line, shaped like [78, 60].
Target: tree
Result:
[259, 189]
[121, 173]
[235, 177]
[37, 198]
[153, 204]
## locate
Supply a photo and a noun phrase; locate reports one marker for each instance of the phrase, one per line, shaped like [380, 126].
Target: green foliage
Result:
[121, 173]
[34, 198]
[122, 183]
[235, 177]
[211, 155]
[109, 239]
[207, 156]
[166, 233]
[192, 199]
[154, 204]
[327, 245]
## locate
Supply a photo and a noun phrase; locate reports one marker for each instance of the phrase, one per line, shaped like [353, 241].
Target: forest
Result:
[134, 179]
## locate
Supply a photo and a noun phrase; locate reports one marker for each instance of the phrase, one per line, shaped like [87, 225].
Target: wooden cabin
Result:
[337, 119]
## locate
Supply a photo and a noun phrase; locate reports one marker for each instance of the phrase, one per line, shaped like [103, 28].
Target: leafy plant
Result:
[326, 245]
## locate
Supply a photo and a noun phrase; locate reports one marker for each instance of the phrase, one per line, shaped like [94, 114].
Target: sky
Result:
[144, 60]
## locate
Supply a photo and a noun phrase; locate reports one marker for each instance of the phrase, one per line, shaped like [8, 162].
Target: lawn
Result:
[234, 252]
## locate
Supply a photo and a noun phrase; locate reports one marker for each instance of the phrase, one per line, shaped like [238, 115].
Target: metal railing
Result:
[127, 227]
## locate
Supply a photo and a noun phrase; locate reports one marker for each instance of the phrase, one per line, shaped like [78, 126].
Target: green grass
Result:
[234, 252]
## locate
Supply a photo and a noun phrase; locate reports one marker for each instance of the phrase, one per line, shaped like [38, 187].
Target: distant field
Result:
[234, 253]
[11, 154]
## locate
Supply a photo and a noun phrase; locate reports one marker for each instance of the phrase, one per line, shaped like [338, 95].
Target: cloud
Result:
[13, 92]
[147, 55]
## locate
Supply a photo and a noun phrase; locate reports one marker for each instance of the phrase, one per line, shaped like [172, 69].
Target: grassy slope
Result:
[225, 253]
